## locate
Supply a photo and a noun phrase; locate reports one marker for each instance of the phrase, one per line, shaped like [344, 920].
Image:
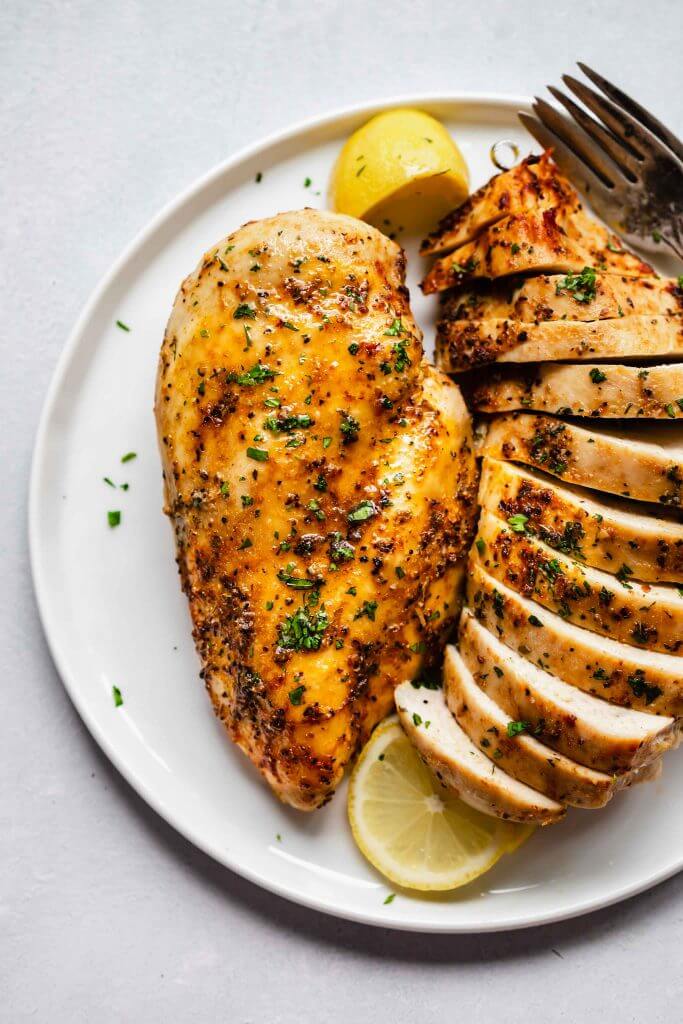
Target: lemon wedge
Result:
[411, 829]
[401, 170]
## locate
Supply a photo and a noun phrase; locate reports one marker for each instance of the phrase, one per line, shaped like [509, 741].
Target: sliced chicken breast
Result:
[624, 675]
[512, 746]
[643, 614]
[465, 344]
[533, 184]
[616, 460]
[558, 239]
[558, 297]
[607, 534]
[599, 390]
[587, 729]
[460, 765]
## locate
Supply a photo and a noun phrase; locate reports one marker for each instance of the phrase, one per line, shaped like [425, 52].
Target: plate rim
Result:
[506, 101]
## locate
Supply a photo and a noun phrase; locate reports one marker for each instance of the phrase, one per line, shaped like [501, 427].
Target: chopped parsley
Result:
[244, 311]
[581, 286]
[535, 621]
[395, 330]
[350, 428]
[597, 376]
[246, 543]
[365, 509]
[123, 327]
[258, 374]
[296, 695]
[641, 688]
[417, 719]
[129, 456]
[480, 545]
[303, 631]
[392, 895]
[296, 582]
[114, 518]
[518, 522]
[367, 610]
[515, 728]
[340, 550]
[286, 424]
[116, 694]
[257, 454]
[623, 574]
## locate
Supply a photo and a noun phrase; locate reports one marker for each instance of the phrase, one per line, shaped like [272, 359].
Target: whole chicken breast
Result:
[321, 483]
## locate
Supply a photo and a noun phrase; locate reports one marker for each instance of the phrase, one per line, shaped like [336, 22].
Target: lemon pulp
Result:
[411, 829]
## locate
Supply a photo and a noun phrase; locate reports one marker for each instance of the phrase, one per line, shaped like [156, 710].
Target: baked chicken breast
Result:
[321, 483]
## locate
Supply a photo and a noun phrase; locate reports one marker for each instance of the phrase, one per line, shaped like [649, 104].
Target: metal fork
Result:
[629, 165]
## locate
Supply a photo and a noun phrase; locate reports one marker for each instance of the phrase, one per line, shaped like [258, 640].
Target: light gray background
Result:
[108, 109]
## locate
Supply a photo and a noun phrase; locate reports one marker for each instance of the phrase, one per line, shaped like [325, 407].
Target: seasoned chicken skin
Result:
[321, 483]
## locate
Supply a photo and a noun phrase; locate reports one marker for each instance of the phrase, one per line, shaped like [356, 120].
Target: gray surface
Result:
[105, 914]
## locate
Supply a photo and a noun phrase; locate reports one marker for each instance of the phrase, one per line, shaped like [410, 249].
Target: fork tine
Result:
[579, 142]
[635, 109]
[575, 169]
[627, 164]
[634, 136]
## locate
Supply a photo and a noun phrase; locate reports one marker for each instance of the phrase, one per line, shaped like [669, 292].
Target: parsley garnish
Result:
[581, 286]
[518, 522]
[296, 695]
[597, 376]
[395, 330]
[116, 694]
[534, 621]
[367, 609]
[515, 728]
[129, 456]
[363, 510]
[124, 327]
[257, 454]
[114, 518]
[244, 312]
[303, 631]
[296, 582]
[349, 428]
[417, 719]
[258, 374]
[286, 424]
[340, 550]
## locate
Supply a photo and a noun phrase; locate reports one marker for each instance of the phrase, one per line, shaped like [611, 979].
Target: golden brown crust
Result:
[532, 184]
[305, 448]
[558, 239]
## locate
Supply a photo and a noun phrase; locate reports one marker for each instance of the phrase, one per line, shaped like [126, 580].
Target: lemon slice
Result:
[410, 828]
[400, 170]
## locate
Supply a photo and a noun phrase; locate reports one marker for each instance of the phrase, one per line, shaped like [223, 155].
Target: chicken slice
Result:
[460, 766]
[617, 460]
[512, 746]
[558, 239]
[624, 675]
[464, 344]
[608, 390]
[607, 534]
[320, 480]
[643, 614]
[533, 184]
[561, 297]
[592, 732]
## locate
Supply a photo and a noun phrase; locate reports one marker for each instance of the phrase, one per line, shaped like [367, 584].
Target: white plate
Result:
[113, 612]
